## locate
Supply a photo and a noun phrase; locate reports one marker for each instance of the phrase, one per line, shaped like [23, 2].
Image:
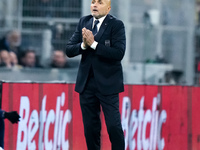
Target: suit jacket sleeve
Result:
[118, 43]
[73, 47]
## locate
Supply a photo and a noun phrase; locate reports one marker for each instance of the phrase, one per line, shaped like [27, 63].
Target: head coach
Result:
[100, 39]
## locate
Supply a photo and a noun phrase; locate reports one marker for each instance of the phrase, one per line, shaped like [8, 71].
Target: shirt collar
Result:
[100, 19]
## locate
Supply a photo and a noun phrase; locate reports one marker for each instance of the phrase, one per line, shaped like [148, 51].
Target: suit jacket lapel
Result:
[89, 24]
[102, 28]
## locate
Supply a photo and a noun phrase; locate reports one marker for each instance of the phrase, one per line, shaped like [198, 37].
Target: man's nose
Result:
[95, 4]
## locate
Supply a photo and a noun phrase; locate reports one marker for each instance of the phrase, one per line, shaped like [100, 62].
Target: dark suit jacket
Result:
[105, 60]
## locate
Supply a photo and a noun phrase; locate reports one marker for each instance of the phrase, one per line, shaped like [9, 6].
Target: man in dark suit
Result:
[100, 39]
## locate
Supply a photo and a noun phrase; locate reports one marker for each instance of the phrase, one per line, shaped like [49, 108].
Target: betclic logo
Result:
[34, 122]
[142, 128]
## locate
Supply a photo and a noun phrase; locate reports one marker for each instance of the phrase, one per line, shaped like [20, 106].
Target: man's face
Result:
[100, 8]
[59, 59]
[5, 57]
[30, 59]
[15, 39]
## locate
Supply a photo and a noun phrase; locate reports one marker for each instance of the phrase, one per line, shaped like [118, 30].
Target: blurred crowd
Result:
[12, 55]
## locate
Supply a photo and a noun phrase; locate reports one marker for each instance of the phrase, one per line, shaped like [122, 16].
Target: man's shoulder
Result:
[114, 20]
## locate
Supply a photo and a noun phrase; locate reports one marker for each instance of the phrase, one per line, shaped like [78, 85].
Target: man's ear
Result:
[109, 8]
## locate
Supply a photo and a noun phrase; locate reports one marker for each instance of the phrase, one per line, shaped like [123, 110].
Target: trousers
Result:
[2, 127]
[91, 102]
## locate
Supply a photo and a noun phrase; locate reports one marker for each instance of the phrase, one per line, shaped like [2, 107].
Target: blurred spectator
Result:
[11, 41]
[173, 77]
[14, 60]
[58, 32]
[168, 78]
[28, 59]
[59, 59]
[8, 59]
[5, 59]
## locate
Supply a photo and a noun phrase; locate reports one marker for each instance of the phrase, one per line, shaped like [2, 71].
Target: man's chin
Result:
[95, 15]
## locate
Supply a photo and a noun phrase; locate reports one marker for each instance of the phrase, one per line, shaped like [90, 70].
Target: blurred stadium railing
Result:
[158, 32]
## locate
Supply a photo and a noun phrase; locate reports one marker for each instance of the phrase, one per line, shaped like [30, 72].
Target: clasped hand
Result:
[88, 37]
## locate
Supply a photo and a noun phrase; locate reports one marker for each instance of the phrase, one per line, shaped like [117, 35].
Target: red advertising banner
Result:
[153, 117]
[50, 117]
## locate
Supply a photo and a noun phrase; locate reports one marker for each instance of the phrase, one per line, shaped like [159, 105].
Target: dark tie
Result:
[94, 30]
